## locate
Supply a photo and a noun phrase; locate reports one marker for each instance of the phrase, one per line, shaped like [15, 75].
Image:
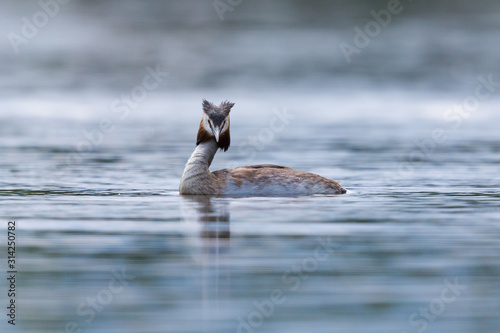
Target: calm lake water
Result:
[106, 244]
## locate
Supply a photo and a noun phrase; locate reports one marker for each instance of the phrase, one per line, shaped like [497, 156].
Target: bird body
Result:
[253, 180]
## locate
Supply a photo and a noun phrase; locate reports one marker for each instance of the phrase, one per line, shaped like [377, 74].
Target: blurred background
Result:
[99, 107]
[275, 48]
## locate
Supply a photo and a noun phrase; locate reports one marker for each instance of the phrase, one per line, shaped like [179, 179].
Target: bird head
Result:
[215, 124]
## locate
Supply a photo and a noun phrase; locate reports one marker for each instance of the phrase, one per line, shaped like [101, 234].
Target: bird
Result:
[252, 180]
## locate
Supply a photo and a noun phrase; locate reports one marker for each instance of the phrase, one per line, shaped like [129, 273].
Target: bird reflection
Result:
[210, 213]
[209, 218]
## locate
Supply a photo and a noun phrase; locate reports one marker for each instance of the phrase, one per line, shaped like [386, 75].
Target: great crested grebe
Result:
[253, 180]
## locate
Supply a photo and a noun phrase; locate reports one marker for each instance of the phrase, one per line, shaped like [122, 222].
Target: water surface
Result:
[421, 215]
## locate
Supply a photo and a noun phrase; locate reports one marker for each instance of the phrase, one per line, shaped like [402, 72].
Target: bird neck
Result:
[197, 178]
[201, 158]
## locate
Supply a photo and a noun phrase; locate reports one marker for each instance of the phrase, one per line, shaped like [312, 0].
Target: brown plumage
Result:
[204, 136]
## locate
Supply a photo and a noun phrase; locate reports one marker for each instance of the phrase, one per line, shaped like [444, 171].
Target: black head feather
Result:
[217, 113]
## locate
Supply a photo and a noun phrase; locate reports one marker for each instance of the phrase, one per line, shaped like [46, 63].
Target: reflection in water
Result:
[209, 214]
[210, 218]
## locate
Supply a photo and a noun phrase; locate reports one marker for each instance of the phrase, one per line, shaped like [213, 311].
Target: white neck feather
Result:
[203, 155]
[196, 172]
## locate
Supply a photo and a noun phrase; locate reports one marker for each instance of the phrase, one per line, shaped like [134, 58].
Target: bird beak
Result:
[216, 134]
